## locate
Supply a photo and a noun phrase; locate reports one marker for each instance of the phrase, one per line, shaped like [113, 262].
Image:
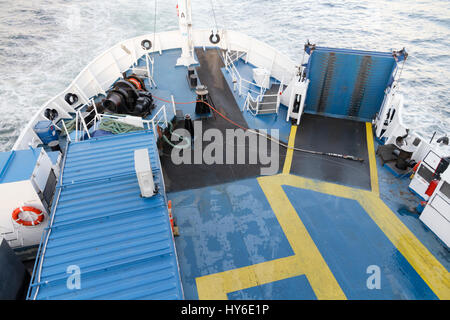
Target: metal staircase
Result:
[268, 102]
[12, 237]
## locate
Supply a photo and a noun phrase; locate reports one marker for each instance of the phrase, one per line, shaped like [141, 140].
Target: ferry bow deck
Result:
[314, 230]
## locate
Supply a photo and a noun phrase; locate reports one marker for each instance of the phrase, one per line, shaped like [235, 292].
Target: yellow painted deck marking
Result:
[216, 286]
[372, 160]
[307, 259]
[315, 268]
[426, 265]
[290, 152]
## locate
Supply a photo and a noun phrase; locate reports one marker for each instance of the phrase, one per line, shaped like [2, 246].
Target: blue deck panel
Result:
[225, 227]
[350, 242]
[298, 288]
[54, 155]
[18, 165]
[121, 242]
[345, 235]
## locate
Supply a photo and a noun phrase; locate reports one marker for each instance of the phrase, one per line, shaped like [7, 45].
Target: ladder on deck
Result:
[12, 237]
[267, 102]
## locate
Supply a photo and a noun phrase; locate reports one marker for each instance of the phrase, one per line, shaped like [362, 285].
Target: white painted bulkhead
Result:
[15, 195]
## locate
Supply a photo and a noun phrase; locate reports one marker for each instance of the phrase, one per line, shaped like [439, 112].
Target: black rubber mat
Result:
[334, 135]
[210, 74]
[180, 177]
[192, 176]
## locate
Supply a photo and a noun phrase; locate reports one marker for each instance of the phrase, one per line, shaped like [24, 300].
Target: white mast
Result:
[185, 23]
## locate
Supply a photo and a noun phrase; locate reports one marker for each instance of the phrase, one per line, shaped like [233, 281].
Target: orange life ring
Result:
[37, 221]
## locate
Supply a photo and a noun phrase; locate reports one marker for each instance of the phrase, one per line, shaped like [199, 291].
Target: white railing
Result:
[239, 82]
[252, 104]
[81, 127]
[159, 118]
[66, 131]
[146, 72]
[256, 105]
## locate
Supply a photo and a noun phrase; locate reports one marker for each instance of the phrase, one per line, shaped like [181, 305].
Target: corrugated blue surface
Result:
[121, 242]
[348, 83]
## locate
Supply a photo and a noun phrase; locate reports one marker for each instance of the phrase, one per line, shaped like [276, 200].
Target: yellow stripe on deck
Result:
[426, 265]
[315, 268]
[290, 152]
[307, 259]
[217, 285]
[372, 160]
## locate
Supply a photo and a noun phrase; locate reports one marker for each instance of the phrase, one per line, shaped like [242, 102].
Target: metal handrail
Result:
[242, 83]
[159, 118]
[237, 78]
[79, 119]
[149, 63]
[67, 131]
[258, 100]
[248, 105]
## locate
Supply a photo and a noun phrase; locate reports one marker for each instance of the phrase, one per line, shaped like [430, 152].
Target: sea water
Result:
[45, 44]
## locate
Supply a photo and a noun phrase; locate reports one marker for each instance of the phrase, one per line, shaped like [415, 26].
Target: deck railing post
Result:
[85, 126]
[165, 115]
[154, 129]
[173, 105]
[278, 103]
[76, 126]
[65, 129]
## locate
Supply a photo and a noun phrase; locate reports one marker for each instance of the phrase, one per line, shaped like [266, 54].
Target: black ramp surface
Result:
[334, 135]
[190, 176]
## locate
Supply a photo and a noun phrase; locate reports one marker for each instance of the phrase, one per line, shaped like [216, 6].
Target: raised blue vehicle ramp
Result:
[106, 241]
[348, 83]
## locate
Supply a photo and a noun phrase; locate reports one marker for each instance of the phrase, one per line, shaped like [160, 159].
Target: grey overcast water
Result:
[45, 44]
